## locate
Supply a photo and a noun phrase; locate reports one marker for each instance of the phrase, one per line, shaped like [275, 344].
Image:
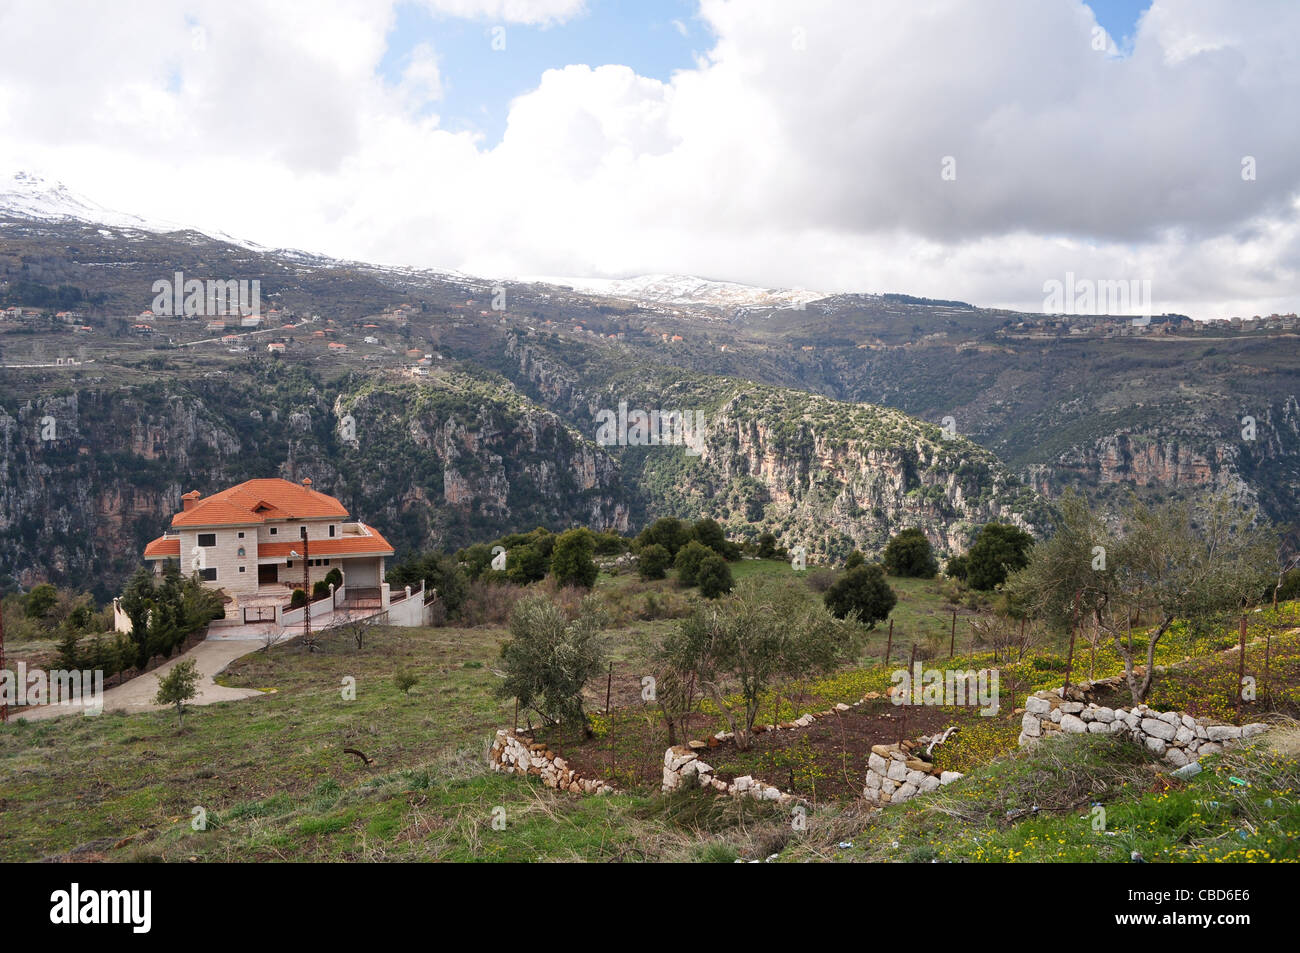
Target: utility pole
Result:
[306, 588]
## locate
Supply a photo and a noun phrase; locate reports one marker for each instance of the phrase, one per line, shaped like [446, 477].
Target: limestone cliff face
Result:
[835, 476]
[86, 479]
[822, 474]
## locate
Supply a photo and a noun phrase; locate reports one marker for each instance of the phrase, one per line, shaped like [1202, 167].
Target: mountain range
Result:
[832, 420]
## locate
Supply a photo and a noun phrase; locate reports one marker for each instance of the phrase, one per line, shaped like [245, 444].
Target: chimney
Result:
[189, 501]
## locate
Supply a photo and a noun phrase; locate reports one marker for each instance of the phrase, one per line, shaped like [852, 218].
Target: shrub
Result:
[526, 564]
[957, 567]
[1000, 549]
[714, 577]
[688, 561]
[819, 580]
[667, 531]
[652, 561]
[571, 560]
[298, 599]
[766, 546]
[405, 681]
[855, 560]
[708, 533]
[177, 687]
[862, 590]
[321, 590]
[488, 602]
[909, 554]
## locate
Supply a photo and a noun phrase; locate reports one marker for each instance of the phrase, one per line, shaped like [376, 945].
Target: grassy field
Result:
[272, 781]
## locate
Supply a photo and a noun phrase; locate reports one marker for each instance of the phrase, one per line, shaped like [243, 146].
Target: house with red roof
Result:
[260, 539]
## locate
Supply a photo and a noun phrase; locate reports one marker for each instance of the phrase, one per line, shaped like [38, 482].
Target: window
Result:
[208, 575]
[241, 535]
[288, 564]
[273, 530]
[331, 529]
[241, 555]
[242, 568]
[207, 539]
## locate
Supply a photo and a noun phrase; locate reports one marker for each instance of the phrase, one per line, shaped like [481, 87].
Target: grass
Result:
[272, 778]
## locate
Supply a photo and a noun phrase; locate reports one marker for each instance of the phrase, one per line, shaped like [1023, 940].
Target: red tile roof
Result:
[258, 501]
[163, 547]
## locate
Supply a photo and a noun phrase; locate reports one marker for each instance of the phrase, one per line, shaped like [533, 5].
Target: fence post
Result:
[952, 639]
[890, 644]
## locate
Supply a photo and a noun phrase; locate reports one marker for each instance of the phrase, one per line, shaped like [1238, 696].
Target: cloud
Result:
[529, 12]
[807, 147]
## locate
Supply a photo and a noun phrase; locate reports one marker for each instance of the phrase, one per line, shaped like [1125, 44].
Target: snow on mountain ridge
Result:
[687, 290]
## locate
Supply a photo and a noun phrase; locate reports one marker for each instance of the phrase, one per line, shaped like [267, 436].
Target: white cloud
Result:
[532, 12]
[804, 150]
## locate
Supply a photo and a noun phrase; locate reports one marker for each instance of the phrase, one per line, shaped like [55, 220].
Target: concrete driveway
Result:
[210, 657]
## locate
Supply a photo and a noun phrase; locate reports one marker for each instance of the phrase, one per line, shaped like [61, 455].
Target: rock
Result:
[719, 785]
[950, 776]
[882, 750]
[916, 764]
[1171, 718]
[897, 771]
[1030, 725]
[905, 792]
[876, 763]
[743, 784]
[1209, 748]
[1175, 756]
[1071, 708]
[1157, 745]
[929, 783]
[1189, 723]
[898, 756]
[1037, 705]
[1073, 724]
[697, 745]
[1251, 730]
[1184, 735]
[916, 777]
[771, 794]
[1098, 727]
[1158, 729]
[1057, 715]
[1104, 715]
[873, 781]
[1222, 732]
[840, 706]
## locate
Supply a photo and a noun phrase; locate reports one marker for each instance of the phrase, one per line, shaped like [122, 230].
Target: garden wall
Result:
[512, 754]
[897, 772]
[1175, 736]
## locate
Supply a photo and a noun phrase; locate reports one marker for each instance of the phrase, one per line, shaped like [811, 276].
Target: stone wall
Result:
[683, 767]
[1176, 737]
[898, 772]
[512, 753]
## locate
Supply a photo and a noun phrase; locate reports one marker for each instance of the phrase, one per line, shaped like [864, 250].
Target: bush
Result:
[688, 561]
[571, 560]
[766, 546]
[862, 590]
[909, 554]
[820, 580]
[855, 560]
[667, 531]
[652, 561]
[437, 572]
[405, 681]
[321, 590]
[526, 564]
[334, 576]
[714, 577]
[1000, 549]
[489, 602]
[708, 533]
[298, 599]
[957, 567]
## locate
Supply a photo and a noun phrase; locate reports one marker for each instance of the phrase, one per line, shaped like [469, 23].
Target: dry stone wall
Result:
[897, 772]
[517, 754]
[1175, 736]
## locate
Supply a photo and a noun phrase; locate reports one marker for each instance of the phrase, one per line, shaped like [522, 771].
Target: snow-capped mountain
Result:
[687, 290]
[24, 195]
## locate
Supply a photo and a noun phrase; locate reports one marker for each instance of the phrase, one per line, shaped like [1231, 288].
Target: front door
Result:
[268, 574]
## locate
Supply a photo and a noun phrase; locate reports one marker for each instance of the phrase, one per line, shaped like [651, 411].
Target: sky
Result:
[953, 149]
